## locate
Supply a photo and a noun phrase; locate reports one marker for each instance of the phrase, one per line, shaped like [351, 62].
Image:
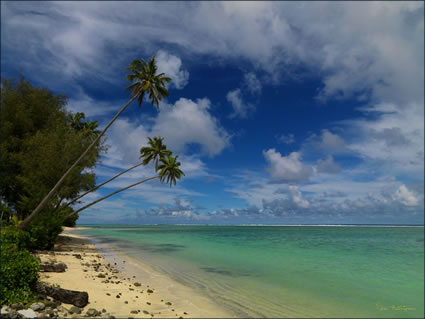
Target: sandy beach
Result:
[120, 286]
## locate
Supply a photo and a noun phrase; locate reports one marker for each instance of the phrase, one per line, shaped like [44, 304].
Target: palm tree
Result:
[144, 78]
[155, 151]
[169, 170]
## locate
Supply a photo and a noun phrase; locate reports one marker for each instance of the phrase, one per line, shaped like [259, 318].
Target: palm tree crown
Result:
[169, 170]
[145, 80]
[155, 151]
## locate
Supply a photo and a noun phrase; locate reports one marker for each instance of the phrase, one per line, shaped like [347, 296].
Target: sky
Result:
[280, 112]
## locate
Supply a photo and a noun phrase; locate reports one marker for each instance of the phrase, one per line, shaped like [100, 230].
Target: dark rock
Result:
[60, 267]
[168, 303]
[134, 311]
[78, 256]
[145, 312]
[103, 310]
[75, 310]
[13, 314]
[76, 298]
[185, 313]
[92, 312]
[118, 296]
[137, 284]
[148, 303]
[149, 291]
[101, 276]
[108, 294]
[126, 302]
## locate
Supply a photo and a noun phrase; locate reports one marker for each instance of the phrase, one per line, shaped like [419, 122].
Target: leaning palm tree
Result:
[169, 170]
[154, 152]
[144, 80]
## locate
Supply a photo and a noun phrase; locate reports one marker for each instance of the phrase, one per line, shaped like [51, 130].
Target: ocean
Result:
[286, 271]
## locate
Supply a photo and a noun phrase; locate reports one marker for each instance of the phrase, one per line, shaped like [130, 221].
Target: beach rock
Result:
[126, 302]
[137, 284]
[104, 310]
[185, 313]
[37, 306]
[92, 312]
[63, 309]
[41, 315]
[111, 317]
[51, 304]
[75, 310]
[5, 310]
[13, 314]
[145, 312]
[17, 306]
[149, 291]
[108, 294]
[118, 296]
[148, 303]
[101, 276]
[60, 267]
[134, 311]
[28, 313]
[78, 256]
[168, 303]
[76, 298]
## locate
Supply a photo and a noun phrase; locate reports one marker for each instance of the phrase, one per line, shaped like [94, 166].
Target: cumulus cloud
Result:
[405, 196]
[188, 122]
[328, 166]
[329, 141]
[171, 65]
[241, 109]
[286, 169]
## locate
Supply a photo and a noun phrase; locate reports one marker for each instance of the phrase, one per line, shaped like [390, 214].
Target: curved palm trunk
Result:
[111, 194]
[100, 185]
[43, 203]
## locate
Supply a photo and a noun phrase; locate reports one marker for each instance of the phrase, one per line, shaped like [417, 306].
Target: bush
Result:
[44, 229]
[18, 269]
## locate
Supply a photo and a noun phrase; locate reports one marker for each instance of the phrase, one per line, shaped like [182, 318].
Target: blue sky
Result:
[281, 112]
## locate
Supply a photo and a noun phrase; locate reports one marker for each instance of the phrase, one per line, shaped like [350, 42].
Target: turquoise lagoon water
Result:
[286, 271]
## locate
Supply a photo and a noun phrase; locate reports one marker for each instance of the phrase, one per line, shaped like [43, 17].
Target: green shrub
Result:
[44, 230]
[18, 268]
[10, 235]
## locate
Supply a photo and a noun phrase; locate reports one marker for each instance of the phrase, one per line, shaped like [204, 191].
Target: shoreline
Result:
[121, 285]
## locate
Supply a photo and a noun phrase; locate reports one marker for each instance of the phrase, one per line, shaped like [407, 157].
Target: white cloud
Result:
[330, 142]
[297, 197]
[328, 166]
[367, 48]
[404, 196]
[286, 169]
[394, 138]
[286, 139]
[188, 122]
[241, 109]
[252, 83]
[171, 66]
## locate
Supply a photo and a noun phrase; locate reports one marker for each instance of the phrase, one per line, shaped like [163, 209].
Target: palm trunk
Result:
[100, 185]
[43, 203]
[111, 194]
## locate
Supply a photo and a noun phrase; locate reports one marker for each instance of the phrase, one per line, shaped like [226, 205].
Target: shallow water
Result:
[287, 271]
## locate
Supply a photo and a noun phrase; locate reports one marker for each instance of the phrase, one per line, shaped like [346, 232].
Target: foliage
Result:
[39, 141]
[155, 151]
[18, 268]
[169, 170]
[145, 80]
